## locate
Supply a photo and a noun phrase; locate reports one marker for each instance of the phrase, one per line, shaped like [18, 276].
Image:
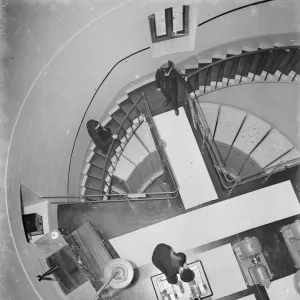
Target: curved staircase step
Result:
[271, 148]
[243, 67]
[112, 125]
[92, 183]
[194, 79]
[279, 57]
[99, 152]
[155, 161]
[204, 77]
[229, 123]
[293, 67]
[118, 186]
[119, 116]
[229, 70]
[94, 171]
[126, 105]
[135, 151]
[97, 160]
[210, 112]
[89, 193]
[134, 181]
[258, 62]
[124, 168]
[288, 159]
[145, 169]
[144, 134]
[285, 65]
[250, 135]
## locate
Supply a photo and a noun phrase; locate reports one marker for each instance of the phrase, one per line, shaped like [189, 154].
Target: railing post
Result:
[234, 186]
[204, 138]
[273, 171]
[131, 205]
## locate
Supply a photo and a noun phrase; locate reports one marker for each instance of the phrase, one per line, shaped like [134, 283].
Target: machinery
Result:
[296, 280]
[291, 235]
[195, 290]
[119, 274]
[252, 262]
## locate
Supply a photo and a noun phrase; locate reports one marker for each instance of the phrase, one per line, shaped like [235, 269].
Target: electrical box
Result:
[33, 224]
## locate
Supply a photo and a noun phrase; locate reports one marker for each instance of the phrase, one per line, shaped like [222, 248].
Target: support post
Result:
[273, 171]
[104, 285]
[233, 187]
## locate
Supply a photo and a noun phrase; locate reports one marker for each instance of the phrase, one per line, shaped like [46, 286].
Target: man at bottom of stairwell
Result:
[171, 263]
[166, 79]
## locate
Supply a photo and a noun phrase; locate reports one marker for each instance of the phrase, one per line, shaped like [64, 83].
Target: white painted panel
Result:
[230, 121]
[185, 159]
[250, 297]
[283, 289]
[124, 168]
[145, 135]
[273, 146]
[293, 154]
[210, 112]
[253, 130]
[218, 262]
[135, 151]
[232, 216]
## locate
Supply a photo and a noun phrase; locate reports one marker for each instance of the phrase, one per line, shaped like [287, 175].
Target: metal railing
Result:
[113, 154]
[238, 57]
[226, 179]
[126, 197]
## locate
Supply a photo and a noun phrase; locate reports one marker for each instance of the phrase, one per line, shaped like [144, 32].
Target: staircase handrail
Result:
[111, 147]
[214, 153]
[241, 55]
[171, 194]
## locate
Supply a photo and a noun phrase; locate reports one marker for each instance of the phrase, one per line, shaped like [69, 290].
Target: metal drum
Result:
[250, 247]
[297, 282]
[261, 274]
[125, 273]
[295, 228]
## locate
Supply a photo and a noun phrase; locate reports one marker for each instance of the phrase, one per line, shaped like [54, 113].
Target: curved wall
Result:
[57, 57]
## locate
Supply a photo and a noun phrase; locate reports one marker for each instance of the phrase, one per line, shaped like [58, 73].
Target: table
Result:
[185, 158]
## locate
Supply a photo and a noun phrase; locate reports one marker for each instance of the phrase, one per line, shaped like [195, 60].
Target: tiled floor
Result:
[117, 219]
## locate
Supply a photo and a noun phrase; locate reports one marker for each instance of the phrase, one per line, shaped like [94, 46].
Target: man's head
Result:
[186, 275]
[92, 124]
[179, 257]
[166, 66]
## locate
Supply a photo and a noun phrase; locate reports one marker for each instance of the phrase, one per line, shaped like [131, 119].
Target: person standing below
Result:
[166, 78]
[101, 136]
[171, 263]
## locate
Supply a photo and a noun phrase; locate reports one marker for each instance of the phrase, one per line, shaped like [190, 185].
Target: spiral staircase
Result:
[243, 147]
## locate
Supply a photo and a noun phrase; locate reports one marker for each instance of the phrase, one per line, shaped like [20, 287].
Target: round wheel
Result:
[125, 273]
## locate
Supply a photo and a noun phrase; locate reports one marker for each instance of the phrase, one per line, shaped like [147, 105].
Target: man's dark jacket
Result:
[169, 84]
[161, 258]
[101, 136]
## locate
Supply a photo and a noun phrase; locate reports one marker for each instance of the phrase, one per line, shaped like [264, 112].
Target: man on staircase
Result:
[101, 136]
[166, 78]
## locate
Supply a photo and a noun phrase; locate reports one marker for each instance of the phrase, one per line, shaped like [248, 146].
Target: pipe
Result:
[104, 285]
